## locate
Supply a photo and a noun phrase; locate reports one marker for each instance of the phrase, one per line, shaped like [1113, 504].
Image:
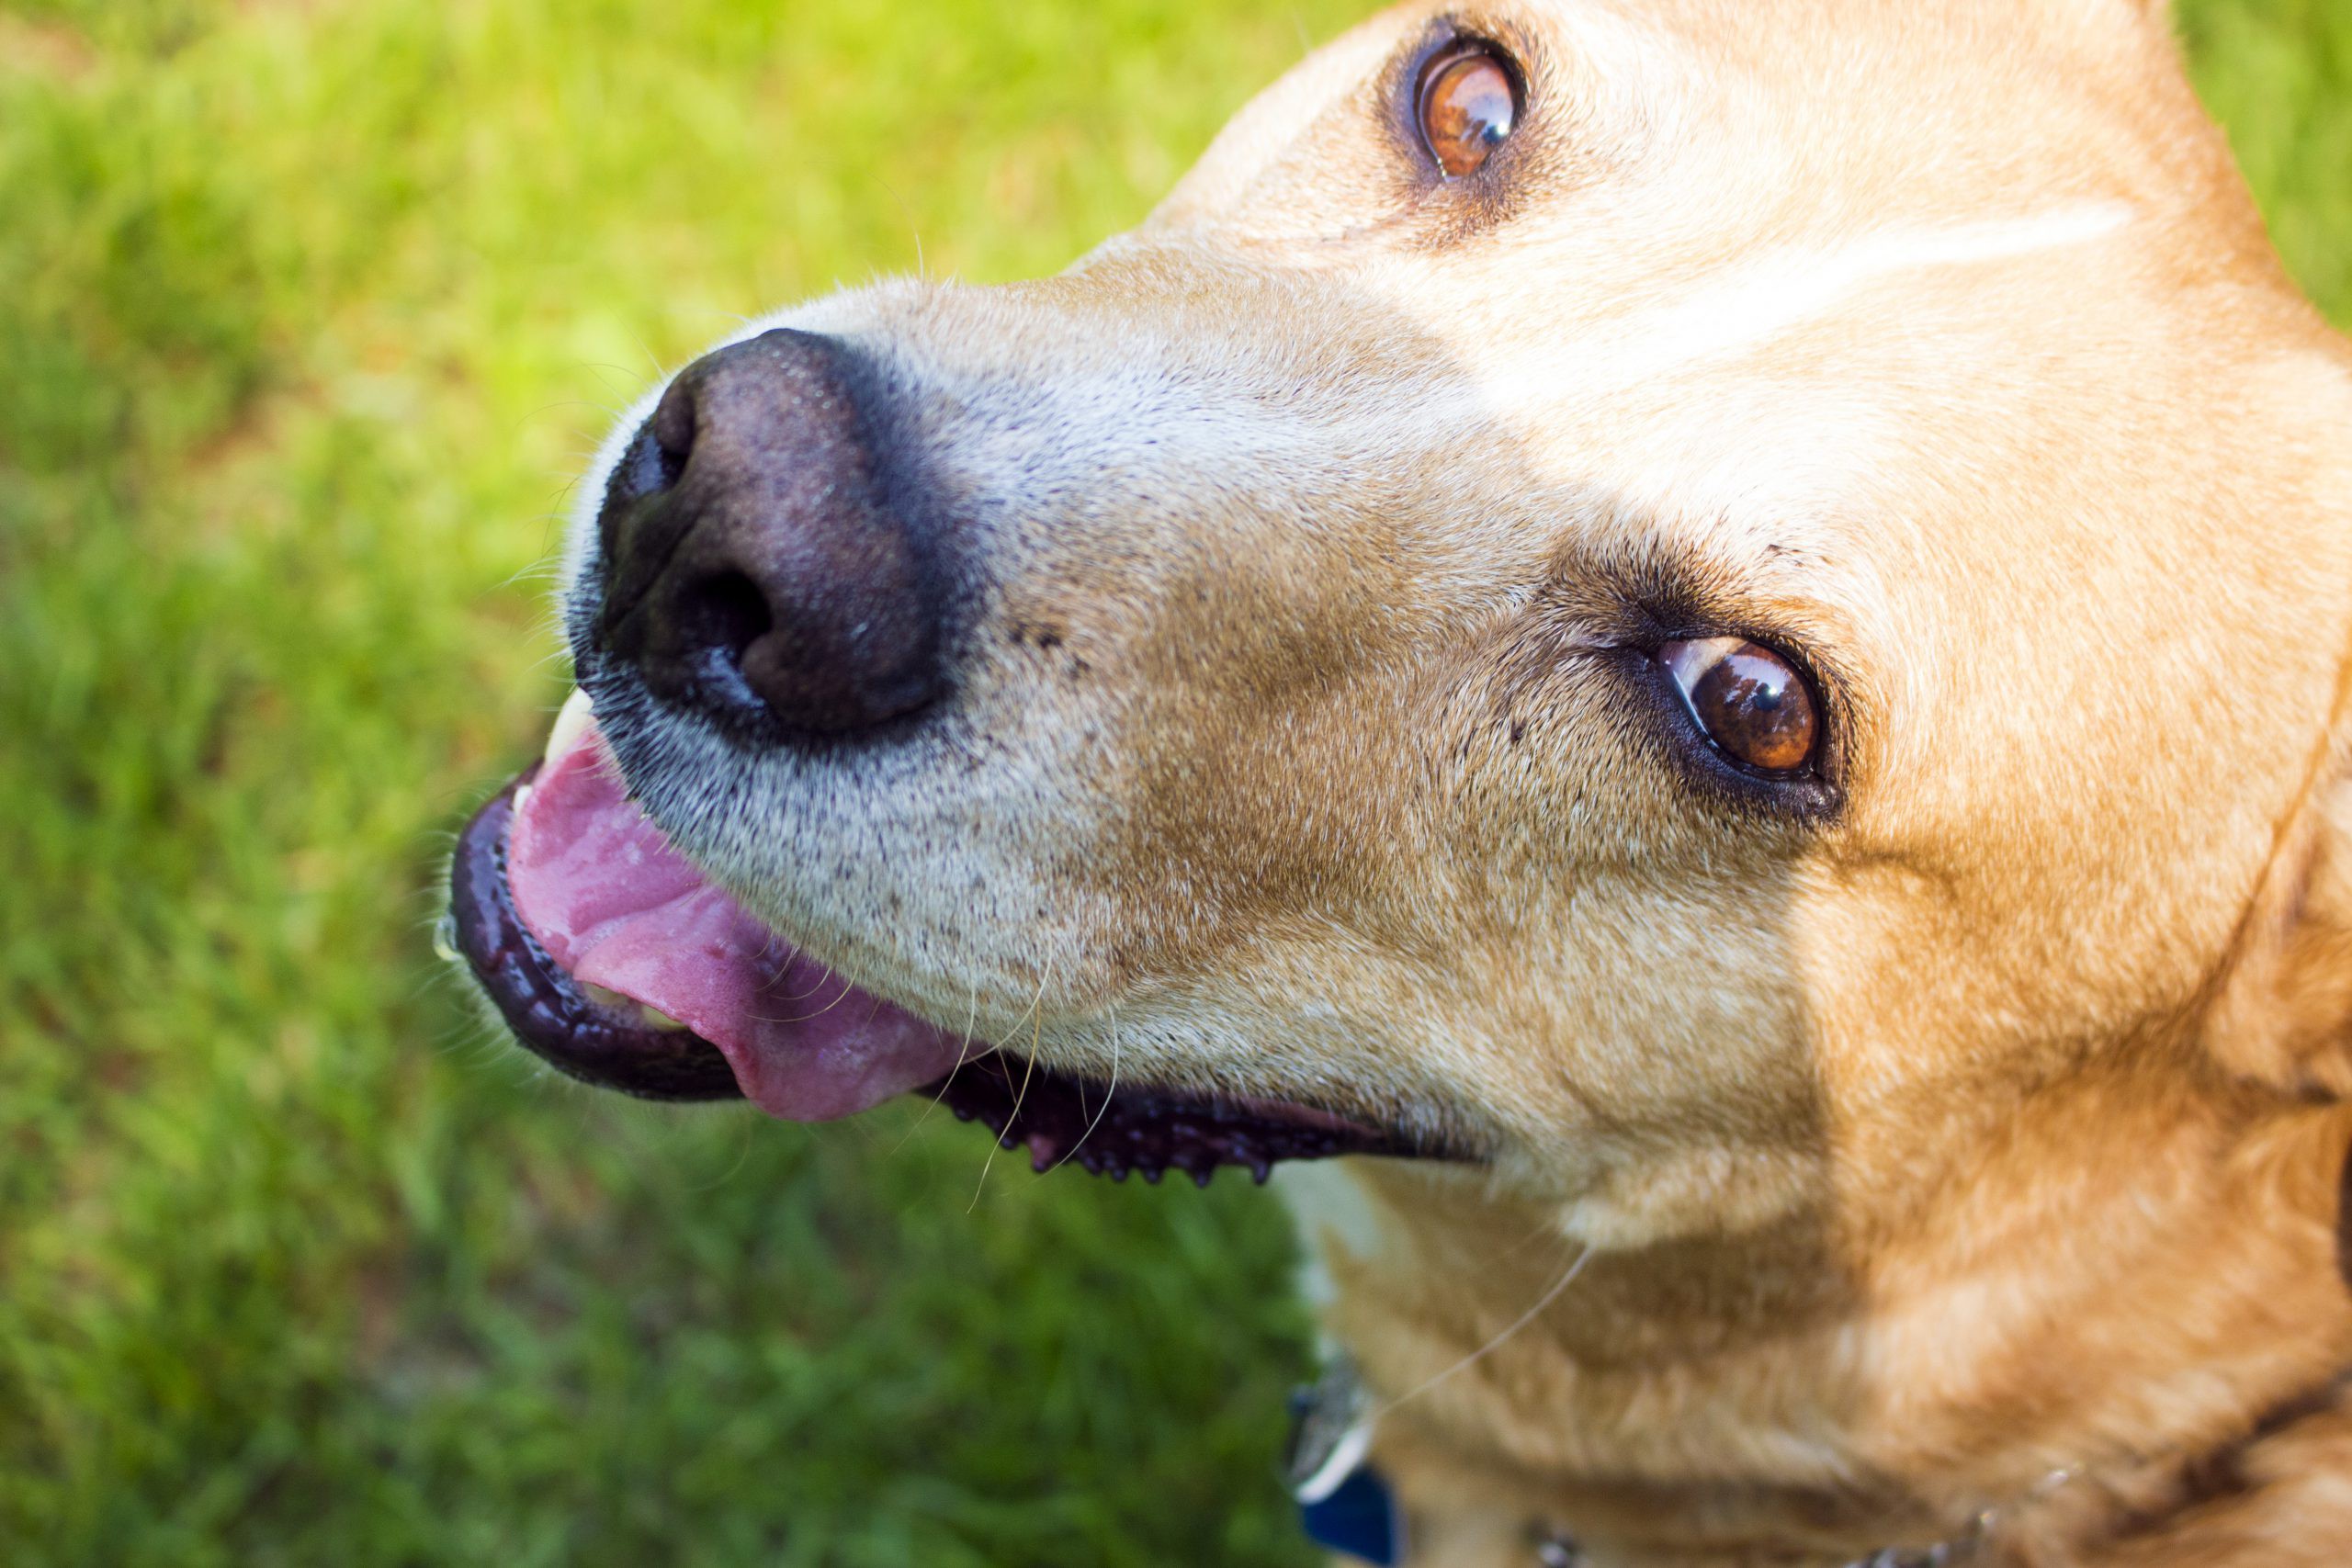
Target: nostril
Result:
[673, 428]
[695, 636]
[647, 467]
[657, 453]
[726, 612]
[754, 566]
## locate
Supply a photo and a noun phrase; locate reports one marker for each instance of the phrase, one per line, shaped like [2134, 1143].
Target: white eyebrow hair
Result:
[1782, 289]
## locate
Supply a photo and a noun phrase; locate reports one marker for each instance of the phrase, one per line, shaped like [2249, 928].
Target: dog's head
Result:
[1643, 597]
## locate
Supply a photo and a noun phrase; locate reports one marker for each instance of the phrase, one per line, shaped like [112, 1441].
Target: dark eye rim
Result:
[1805, 769]
[1448, 43]
[1814, 791]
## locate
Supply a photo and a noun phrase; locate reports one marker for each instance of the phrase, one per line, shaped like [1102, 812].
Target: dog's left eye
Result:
[1468, 104]
[1749, 701]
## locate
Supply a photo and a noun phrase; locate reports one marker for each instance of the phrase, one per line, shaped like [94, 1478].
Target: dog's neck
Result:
[1822, 1385]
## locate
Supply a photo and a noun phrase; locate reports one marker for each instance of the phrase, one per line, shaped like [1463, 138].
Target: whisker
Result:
[1009, 1122]
[1020, 1095]
[1521, 1321]
[1107, 1095]
[743, 1156]
[963, 1052]
[814, 985]
[650, 357]
[838, 999]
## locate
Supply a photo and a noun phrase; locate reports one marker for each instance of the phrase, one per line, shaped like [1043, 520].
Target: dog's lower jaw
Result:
[1759, 1398]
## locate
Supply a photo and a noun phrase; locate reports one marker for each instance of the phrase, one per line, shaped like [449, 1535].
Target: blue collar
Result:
[1356, 1518]
[1343, 1504]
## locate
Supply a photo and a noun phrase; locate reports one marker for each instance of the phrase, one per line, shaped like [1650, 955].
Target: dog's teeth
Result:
[521, 797]
[645, 1015]
[570, 720]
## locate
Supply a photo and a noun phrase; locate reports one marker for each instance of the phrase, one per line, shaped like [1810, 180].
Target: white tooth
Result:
[521, 797]
[628, 1007]
[570, 720]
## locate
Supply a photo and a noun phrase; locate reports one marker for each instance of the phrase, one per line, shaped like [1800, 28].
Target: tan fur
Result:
[1985, 1129]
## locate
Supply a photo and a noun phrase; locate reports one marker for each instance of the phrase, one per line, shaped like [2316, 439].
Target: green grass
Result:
[308, 314]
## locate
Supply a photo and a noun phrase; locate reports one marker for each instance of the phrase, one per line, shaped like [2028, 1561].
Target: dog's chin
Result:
[610, 956]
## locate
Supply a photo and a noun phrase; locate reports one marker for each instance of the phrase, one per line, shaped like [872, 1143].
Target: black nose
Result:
[756, 569]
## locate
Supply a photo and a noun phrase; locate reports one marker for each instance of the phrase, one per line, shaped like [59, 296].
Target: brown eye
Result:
[1750, 702]
[1468, 108]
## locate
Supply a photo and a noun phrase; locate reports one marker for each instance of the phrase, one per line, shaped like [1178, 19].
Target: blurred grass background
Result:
[308, 314]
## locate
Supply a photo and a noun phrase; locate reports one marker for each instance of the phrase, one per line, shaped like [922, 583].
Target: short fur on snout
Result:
[1947, 1146]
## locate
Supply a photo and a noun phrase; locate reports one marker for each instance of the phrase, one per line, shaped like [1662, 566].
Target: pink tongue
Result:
[612, 902]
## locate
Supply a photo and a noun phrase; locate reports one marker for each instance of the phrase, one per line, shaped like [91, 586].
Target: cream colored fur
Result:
[1984, 1127]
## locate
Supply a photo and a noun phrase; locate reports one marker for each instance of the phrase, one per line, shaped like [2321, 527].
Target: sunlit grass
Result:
[308, 314]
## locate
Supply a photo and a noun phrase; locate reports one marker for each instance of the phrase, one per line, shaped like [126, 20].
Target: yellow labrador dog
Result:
[1710, 633]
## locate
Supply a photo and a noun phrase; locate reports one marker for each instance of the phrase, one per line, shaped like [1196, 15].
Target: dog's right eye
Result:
[1468, 104]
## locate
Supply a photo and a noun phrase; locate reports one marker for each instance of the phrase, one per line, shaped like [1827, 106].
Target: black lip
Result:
[1063, 1119]
[544, 1006]
[1138, 1127]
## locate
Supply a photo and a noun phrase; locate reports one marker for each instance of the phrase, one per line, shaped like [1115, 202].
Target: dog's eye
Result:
[1748, 700]
[1467, 106]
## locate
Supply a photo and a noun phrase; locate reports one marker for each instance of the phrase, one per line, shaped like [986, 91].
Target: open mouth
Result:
[613, 958]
